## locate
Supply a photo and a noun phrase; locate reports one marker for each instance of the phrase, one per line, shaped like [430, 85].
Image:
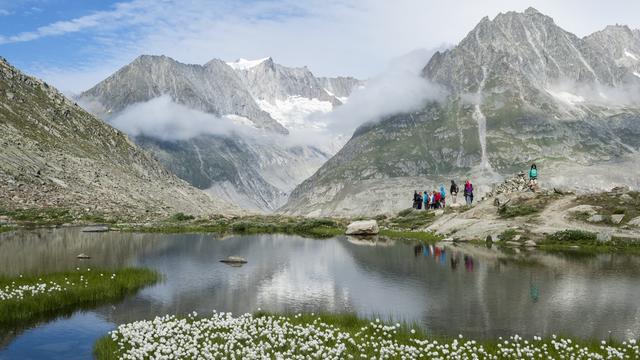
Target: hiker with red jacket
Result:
[468, 192]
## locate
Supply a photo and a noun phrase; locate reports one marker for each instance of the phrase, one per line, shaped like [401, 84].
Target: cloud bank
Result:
[400, 88]
[161, 118]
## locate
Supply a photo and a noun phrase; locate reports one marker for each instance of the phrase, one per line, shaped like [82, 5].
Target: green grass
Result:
[507, 212]
[93, 290]
[52, 216]
[363, 331]
[321, 228]
[587, 242]
[422, 236]
[525, 207]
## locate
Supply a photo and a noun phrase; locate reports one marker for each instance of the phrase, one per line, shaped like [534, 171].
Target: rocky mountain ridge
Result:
[56, 155]
[259, 171]
[520, 89]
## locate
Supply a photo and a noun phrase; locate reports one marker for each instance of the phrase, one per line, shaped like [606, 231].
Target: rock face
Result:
[213, 88]
[55, 154]
[520, 90]
[255, 172]
[365, 227]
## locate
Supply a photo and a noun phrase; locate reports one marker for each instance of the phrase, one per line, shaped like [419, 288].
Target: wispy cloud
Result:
[332, 37]
[4, 12]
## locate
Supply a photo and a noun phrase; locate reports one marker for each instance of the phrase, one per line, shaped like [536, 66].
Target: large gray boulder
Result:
[365, 227]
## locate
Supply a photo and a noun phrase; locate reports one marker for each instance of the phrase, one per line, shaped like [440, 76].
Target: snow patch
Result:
[636, 74]
[240, 120]
[631, 55]
[566, 97]
[244, 64]
[294, 111]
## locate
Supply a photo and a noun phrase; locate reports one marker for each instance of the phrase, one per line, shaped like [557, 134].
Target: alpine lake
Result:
[447, 288]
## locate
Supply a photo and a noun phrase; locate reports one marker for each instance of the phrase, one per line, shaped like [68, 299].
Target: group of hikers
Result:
[437, 199]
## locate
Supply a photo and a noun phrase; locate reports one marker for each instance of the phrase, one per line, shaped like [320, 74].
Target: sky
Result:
[75, 44]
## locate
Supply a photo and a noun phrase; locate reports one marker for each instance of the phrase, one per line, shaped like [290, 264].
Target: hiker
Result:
[533, 177]
[416, 199]
[443, 194]
[432, 200]
[437, 197]
[419, 201]
[425, 199]
[453, 190]
[468, 192]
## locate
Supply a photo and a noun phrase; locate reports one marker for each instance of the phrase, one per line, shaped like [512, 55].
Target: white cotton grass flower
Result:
[277, 337]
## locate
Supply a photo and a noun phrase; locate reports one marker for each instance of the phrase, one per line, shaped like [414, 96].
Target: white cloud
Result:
[401, 88]
[4, 12]
[164, 119]
[332, 37]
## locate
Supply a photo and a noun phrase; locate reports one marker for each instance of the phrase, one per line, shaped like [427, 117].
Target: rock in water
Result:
[83, 256]
[96, 229]
[234, 260]
[366, 227]
[530, 243]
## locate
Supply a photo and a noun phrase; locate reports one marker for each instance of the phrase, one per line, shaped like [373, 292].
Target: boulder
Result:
[95, 229]
[365, 227]
[634, 222]
[83, 256]
[530, 243]
[605, 235]
[596, 218]
[588, 209]
[513, 243]
[620, 189]
[617, 218]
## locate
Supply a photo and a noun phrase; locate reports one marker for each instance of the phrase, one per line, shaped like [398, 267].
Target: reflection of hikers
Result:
[453, 190]
[416, 199]
[533, 177]
[425, 200]
[443, 195]
[468, 192]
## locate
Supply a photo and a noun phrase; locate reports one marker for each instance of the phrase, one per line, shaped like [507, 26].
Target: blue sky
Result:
[75, 44]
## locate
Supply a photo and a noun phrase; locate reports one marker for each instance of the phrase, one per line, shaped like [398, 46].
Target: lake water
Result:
[447, 289]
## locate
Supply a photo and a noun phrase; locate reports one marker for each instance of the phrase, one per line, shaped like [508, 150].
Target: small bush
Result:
[182, 217]
[516, 211]
[573, 236]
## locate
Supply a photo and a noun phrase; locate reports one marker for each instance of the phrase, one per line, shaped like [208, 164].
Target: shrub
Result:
[182, 217]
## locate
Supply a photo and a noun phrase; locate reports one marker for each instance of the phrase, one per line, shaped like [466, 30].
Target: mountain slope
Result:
[214, 88]
[54, 154]
[256, 169]
[521, 89]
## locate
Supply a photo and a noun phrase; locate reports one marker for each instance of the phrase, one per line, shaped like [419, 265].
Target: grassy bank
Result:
[585, 241]
[402, 226]
[34, 298]
[326, 336]
[180, 223]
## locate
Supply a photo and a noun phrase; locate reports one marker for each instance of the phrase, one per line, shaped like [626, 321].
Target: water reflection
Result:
[449, 289]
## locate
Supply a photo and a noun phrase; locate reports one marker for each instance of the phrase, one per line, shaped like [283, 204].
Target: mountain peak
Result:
[244, 64]
[532, 11]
